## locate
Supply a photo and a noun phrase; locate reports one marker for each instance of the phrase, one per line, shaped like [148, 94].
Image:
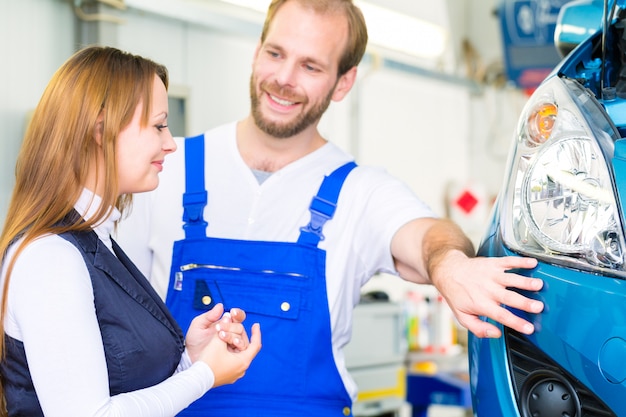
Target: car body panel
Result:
[574, 364]
[582, 329]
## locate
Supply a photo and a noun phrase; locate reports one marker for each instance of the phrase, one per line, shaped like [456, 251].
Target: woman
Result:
[84, 332]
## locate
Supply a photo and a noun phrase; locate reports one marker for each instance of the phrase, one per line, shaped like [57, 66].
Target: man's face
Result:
[295, 70]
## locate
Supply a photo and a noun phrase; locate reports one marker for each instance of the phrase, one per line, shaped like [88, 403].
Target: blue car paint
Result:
[583, 312]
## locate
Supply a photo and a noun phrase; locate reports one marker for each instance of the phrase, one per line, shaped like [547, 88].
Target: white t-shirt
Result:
[51, 310]
[372, 206]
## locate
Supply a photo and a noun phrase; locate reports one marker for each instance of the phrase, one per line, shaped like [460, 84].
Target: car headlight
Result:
[558, 202]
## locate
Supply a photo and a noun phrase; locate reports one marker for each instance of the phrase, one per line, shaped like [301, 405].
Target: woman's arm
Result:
[51, 309]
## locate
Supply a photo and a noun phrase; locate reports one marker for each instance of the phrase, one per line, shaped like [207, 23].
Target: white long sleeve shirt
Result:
[51, 310]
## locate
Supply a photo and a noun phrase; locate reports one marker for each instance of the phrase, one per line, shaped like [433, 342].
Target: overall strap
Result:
[323, 205]
[195, 196]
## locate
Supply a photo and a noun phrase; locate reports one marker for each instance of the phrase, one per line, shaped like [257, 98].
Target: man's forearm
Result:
[441, 238]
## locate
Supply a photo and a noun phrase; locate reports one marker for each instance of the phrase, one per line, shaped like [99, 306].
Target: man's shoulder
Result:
[215, 133]
[213, 139]
[333, 157]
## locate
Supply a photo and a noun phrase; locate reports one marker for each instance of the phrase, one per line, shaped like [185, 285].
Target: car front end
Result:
[563, 203]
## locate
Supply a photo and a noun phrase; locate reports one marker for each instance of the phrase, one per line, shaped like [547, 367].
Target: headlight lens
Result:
[559, 201]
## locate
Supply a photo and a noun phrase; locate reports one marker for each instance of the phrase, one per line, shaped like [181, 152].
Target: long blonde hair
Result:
[59, 144]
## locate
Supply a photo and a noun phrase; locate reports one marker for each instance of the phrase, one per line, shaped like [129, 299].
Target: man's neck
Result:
[263, 152]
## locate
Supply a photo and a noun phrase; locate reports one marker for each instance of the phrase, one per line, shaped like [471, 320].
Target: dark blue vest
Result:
[142, 342]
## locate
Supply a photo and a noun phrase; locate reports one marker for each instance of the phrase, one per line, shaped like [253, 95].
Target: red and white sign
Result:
[468, 205]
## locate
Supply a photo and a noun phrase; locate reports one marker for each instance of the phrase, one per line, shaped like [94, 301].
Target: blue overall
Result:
[282, 286]
[142, 341]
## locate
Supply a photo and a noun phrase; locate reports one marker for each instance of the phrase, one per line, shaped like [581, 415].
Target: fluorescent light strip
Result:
[403, 33]
[387, 29]
[258, 5]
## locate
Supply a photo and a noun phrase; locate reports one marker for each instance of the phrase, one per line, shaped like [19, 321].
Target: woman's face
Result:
[141, 150]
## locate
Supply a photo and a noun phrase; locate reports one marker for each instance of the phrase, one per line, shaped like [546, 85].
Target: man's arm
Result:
[436, 251]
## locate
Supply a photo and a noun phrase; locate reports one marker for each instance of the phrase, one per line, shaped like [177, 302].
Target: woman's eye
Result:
[161, 127]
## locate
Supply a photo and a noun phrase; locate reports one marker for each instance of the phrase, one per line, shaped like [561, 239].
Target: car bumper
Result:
[578, 349]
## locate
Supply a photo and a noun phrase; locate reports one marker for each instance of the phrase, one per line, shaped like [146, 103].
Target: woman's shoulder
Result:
[48, 252]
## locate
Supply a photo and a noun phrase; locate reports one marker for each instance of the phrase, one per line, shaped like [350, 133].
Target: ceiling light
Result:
[388, 29]
[259, 5]
[403, 33]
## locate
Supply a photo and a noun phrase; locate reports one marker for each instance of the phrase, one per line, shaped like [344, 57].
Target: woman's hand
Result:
[227, 364]
[227, 326]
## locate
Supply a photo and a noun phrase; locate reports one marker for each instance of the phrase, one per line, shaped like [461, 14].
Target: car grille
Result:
[535, 374]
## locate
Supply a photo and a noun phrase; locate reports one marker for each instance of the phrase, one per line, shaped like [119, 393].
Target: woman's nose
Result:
[169, 144]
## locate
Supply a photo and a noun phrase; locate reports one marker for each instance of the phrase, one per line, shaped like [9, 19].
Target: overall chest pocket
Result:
[279, 302]
[261, 293]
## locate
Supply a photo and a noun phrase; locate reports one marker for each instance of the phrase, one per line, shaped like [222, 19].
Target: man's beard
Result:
[288, 129]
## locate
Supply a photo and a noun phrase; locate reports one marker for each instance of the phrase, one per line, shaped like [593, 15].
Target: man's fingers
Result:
[515, 262]
[500, 315]
[518, 301]
[481, 328]
[511, 280]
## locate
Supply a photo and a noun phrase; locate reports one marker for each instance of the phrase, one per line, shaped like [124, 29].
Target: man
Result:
[296, 263]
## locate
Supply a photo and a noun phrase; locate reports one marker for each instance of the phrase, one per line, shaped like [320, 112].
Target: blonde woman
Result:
[84, 332]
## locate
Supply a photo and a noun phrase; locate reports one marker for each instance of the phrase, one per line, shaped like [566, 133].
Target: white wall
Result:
[212, 66]
[36, 36]
[418, 129]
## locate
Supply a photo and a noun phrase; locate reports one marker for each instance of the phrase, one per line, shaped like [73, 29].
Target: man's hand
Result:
[475, 287]
[436, 251]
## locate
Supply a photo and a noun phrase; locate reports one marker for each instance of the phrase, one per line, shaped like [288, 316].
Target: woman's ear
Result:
[98, 130]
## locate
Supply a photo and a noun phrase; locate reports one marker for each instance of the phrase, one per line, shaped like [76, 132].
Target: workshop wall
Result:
[429, 130]
[36, 38]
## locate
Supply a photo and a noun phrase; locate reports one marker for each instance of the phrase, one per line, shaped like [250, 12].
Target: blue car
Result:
[564, 203]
